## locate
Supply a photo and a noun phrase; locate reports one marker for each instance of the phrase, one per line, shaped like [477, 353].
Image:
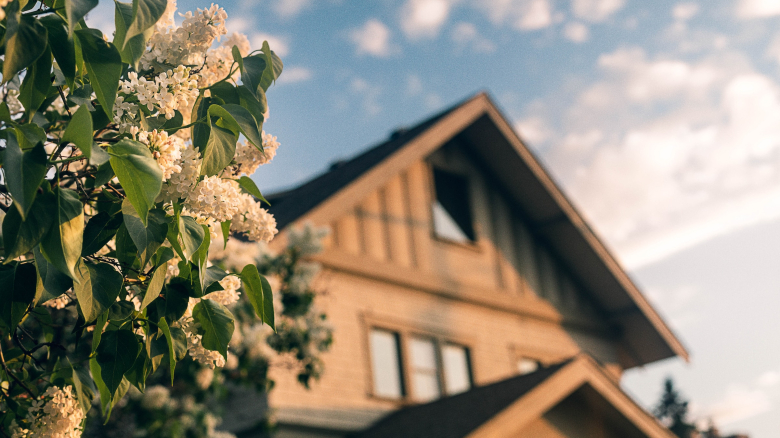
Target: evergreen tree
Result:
[672, 410]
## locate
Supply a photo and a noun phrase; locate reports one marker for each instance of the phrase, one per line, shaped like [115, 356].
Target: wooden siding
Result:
[504, 296]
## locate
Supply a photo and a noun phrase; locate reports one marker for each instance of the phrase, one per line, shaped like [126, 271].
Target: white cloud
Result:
[576, 32]
[596, 10]
[278, 44]
[372, 39]
[685, 11]
[522, 14]
[290, 8]
[414, 85]
[758, 8]
[466, 35]
[369, 94]
[292, 75]
[737, 404]
[662, 154]
[424, 18]
[769, 378]
[533, 130]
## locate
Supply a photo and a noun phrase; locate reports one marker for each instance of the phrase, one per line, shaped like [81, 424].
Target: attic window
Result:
[452, 218]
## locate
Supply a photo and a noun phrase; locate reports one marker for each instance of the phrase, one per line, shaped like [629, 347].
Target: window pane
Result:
[456, 369]
[425, 375]
[452, 209]
[386, 364]
[527, 366]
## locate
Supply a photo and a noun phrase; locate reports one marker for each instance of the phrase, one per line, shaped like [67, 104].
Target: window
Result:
[425, 372]
[526, 365]
[386, 364]
[457, 370]
[452, 210]
[434, 367]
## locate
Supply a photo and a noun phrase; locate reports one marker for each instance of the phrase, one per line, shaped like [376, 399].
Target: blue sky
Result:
[660, 119]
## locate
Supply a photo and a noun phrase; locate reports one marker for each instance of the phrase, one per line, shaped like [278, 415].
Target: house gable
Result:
[379, 207]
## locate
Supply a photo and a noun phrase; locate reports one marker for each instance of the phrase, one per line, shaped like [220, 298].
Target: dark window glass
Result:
[452, 210]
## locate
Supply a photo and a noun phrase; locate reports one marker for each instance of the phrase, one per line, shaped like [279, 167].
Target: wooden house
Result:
[468, 296]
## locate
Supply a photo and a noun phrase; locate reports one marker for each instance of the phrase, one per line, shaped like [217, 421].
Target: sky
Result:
[660, 120]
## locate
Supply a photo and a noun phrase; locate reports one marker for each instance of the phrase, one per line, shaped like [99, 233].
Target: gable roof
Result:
[505, 408]
[478, 122]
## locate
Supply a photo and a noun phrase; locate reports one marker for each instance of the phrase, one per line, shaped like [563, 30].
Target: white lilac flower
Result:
[230, 294]
[248, 157]
[55, 414]
[172, 45]
[165, 149]
[180, 183]
[58, 303]
[258, 224]
[307, 240]
[195, 347]
[215, 198]
[156, 397]
[204, 377]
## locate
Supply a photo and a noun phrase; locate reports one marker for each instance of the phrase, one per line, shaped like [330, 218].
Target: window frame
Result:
[404, 335]
[471, 244]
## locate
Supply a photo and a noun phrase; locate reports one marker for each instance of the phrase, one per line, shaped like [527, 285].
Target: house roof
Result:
[505, 408]
[478, 123]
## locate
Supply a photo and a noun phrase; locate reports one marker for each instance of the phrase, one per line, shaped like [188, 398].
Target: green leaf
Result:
[61, 245]
[99, 231]
[120, 311]
[36, 84]
[97, 287]
[17, 291]
[221, 146]
[140, 370]
[131, 48]
[25, 41]
[259, 293]
[257, 105]
[104, 66]
[139, 174]
[145, 14]
[225, 233]
[252, 68]
[21, 236]
[273, 67]
[249, 186]
[51, 283]
[147, 238]
[169, 339]
[116, 355]
[24, 172]
[200, 131]
[126, 252]
[239, 119]
[105, 394]
[84, 391]
[173, 305]
[105, 172]
[192, 236]
[75, 10]
[61, 45]
[79, 131]
[217, 324]
[213, 275]
[97, 333]
[155, 285]
[98, 156]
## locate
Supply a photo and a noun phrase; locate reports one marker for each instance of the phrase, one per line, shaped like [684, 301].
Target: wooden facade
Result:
[508, 296]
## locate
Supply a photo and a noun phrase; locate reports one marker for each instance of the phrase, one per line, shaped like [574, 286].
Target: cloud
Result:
[769, 378]
[664, 153]
[414, 85]
[533, 130]
[292, 75]
[424, 18]
[372, 39]
[739, 403]
[758, 8]
[596, 10]
[466, 35]
[576, 32]
[685, 11]
[290, 8]
[277, 43]
[369, 94]
[524, 15]
[681, 304]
